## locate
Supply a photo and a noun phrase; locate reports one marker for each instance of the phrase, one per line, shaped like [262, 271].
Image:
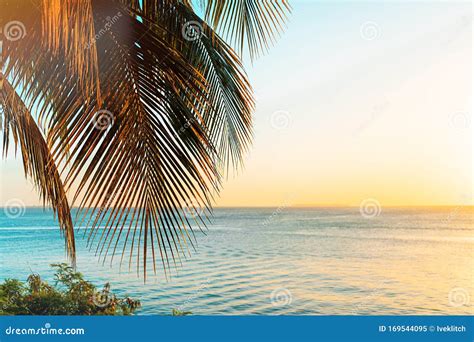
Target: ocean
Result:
[290, 261]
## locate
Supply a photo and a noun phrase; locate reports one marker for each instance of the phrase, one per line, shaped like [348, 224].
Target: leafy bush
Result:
[177, 312]
[71, 295]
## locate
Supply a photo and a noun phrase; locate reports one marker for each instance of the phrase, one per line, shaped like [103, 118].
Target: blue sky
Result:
[355, 101]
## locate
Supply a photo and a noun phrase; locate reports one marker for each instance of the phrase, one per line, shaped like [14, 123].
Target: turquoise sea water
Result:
[284, 261]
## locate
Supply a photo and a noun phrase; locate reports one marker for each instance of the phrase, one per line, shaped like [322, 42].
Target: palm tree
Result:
[137, 108]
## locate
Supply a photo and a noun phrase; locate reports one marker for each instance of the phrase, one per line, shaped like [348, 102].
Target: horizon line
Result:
[302, 206]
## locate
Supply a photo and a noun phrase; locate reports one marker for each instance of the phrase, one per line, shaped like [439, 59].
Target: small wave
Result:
[461, 239]
[28, 228]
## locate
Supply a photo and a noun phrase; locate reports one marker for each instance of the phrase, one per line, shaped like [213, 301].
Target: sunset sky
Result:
[354, 101]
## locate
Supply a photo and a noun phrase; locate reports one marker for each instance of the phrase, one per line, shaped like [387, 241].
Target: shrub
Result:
[70, 295]
[177, 312]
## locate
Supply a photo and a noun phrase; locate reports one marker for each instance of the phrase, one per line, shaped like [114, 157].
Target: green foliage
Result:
[71, 295]
[177, 312]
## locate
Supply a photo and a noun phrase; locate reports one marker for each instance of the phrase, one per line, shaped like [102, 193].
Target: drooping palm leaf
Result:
[179, 111]
[37, 160]
[21, 91]
[229, 103]
[137, 173]
[68, 28]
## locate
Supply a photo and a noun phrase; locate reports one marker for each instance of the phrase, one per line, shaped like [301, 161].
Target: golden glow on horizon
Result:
[393, 122]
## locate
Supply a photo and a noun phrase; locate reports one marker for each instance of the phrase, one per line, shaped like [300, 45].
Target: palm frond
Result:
[137, 120]
[38, 163]
[251, 22]
[68, 29]
[228, 105]
[135, 176]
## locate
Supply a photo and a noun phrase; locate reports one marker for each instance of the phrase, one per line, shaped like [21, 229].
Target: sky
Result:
[355, 101]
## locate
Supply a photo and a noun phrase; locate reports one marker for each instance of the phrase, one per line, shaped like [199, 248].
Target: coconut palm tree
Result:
[131, 110]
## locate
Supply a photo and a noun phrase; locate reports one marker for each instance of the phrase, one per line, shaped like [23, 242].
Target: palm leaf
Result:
[37, 160]
[251, 22]
[229, 103]
[179, 111]
[68, 28]
[135, 176]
